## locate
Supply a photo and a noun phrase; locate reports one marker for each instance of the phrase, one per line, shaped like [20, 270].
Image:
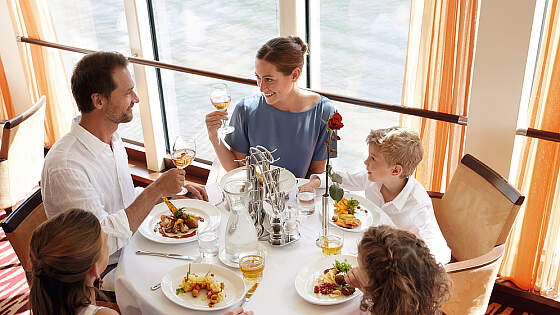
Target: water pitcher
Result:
[241, 235]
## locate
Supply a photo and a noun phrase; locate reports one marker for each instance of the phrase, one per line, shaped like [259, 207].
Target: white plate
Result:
[306, 280]
[234, 287]
[373, 217]
[287, 179]
[149, 227]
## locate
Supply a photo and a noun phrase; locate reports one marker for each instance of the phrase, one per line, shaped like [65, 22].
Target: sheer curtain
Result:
[437, 77]
[44, 69]
[6, 105]
[532, 258]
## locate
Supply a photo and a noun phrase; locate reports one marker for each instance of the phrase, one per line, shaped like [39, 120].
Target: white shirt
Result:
[411, 210]
[83, 172]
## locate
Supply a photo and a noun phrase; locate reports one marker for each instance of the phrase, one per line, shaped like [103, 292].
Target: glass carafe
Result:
[241, 235]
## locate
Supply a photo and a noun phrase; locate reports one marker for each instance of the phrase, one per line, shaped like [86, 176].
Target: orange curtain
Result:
[532, 261]
[44, 69]
[6, 105]
[437, 77]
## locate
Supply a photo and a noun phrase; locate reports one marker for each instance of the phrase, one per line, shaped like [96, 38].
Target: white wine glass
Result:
[221, 99]
[184, 152]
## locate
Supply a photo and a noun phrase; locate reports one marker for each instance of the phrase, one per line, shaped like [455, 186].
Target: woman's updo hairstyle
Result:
[63, 251]
[286, 53]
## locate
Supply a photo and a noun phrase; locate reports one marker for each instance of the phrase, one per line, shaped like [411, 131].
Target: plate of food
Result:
[203, 287]
[181, 224]
[287, 178]
[354, 213]
[322, 282]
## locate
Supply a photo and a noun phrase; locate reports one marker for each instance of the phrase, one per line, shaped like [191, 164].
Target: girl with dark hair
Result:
[398, 275]
[282, 117]
[68, 253]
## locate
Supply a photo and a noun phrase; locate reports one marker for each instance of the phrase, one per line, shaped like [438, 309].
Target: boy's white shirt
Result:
[411, 210]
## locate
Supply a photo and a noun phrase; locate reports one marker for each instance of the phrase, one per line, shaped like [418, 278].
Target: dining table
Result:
[276, 293]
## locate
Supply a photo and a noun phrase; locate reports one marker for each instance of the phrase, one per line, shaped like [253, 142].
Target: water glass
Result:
[208, 246]
[306, 202]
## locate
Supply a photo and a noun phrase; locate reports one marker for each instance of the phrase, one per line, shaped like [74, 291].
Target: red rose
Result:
[335, 122]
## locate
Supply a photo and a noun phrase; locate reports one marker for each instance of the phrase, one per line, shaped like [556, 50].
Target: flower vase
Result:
[325, 213]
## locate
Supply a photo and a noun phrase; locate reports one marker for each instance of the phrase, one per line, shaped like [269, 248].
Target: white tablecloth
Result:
[275, 295]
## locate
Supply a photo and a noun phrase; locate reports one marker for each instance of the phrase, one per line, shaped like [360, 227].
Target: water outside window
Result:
[363, 55]
[218, 36]
[95, 25]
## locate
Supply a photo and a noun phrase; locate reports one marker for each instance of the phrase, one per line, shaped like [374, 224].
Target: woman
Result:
[282, 117]
[68, 253]
[397, 274]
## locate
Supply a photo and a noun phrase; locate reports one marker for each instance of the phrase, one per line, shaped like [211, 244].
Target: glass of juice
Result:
[332, 243]
[252, 265]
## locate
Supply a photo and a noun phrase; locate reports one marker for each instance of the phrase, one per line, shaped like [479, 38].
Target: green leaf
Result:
[336, 193]
[336, 178]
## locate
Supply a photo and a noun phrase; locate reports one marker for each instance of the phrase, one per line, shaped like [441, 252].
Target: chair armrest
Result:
[22, 211]
[477, 262]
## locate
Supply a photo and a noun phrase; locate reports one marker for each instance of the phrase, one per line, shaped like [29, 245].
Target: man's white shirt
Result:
[83, 172]
[411, 210]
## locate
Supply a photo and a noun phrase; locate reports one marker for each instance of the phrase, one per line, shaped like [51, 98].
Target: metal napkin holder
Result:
[275, 225]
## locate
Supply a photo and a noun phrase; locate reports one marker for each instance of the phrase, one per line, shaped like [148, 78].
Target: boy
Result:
[393, 155]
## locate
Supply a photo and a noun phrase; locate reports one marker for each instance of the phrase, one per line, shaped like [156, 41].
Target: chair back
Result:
[22, 154]
[21, 223]
[473, 281]
[478, 209]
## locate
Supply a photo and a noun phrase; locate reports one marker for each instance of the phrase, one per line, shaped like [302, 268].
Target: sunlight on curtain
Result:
[437, 77]
[6, 105]
[44, 69]
[532, 261]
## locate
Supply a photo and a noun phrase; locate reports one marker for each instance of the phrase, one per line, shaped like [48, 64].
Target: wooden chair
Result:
[21, 154]
[475, 216]
[21, 223]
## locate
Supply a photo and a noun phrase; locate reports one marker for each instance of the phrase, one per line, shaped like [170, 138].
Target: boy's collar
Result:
[400, 200]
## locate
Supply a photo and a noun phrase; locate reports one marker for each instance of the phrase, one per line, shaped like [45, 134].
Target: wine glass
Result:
[184, 151]
[221, 99]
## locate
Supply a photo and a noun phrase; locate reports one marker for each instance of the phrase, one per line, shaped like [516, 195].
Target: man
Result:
[88, 167]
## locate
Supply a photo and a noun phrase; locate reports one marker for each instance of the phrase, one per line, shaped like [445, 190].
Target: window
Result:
[218, 36]
[96, 25]
[363, 55]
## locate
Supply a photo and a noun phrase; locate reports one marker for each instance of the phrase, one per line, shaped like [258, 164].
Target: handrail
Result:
[457, 119]
[541, 134]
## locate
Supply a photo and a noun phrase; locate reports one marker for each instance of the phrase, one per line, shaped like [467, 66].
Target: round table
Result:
[276, 293]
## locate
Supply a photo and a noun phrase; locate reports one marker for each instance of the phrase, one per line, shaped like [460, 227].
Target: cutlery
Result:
[155, 286]
[175, 256]
[249, 294]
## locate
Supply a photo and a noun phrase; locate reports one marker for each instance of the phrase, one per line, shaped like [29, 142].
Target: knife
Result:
[249, 294]
[175, 256]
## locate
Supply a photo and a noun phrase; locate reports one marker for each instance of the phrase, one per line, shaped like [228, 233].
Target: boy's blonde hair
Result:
[399, 146]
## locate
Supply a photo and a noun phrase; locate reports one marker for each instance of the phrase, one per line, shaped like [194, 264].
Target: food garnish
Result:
[345, 213]
[179, 225]
[332, 283]
[196, 283]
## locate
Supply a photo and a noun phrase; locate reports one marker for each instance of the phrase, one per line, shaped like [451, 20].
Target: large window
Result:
[95, 25]
[363, 55]
[218, 36]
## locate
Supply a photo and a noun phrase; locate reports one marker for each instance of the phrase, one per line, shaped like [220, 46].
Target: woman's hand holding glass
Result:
[220, 99]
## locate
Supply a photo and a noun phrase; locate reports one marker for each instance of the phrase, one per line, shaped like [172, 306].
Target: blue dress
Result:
[298, 137]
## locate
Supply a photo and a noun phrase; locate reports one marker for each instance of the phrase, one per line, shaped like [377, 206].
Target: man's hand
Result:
[311, 185]
[238, 311]
[357, 278]
[197, 191]
[170, 182]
